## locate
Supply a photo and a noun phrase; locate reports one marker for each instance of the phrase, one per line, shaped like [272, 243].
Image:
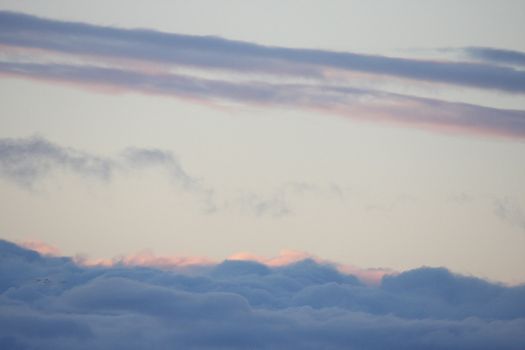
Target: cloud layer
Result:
[186, 66]
[53, 303]
[213, 52]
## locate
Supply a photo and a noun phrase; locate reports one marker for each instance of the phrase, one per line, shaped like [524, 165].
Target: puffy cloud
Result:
[53, 303]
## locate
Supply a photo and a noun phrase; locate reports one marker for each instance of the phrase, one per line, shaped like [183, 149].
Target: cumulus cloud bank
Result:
[54, 303]
[184, 66]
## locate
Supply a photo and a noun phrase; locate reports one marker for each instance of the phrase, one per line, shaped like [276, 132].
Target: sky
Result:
[370, 138]
[312, 128]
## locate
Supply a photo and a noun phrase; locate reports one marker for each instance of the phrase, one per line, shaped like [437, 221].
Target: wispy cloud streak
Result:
[101, 57]
[216, 53]
[509, 209]
[27, 160]
[498, 56]
[362, 104]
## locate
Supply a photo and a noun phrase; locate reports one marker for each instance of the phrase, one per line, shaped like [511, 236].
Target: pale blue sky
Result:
[272, 177]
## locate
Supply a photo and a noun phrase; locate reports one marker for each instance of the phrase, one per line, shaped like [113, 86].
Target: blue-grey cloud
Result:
[356, 103]
[275, 205]
[279, 203]
[27, 160]
[498, 56]
[510, 210]
[27, 31]
[143, 157]
[53, 303]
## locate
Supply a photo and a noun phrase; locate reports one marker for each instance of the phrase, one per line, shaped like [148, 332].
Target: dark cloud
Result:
[22, 30]
[243, 304]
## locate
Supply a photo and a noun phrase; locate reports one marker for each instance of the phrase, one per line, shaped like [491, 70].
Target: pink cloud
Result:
[285, 257]
[41, 247]
[371, 276]
[357, 104]
[146, 258]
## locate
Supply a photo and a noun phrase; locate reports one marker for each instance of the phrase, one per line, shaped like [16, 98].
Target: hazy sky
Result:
[373, 133]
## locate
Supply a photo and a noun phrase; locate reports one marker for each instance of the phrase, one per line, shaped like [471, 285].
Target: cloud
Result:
[353, 103]
[498, 56]
[274, 206]
[27, 160]
[510, 210]
[371, 276]
[20, 30]
[279, 202]
[52, 303]
[144, 258]
[41, 248]
[284, 258]
[186, 67]
[140, 158]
